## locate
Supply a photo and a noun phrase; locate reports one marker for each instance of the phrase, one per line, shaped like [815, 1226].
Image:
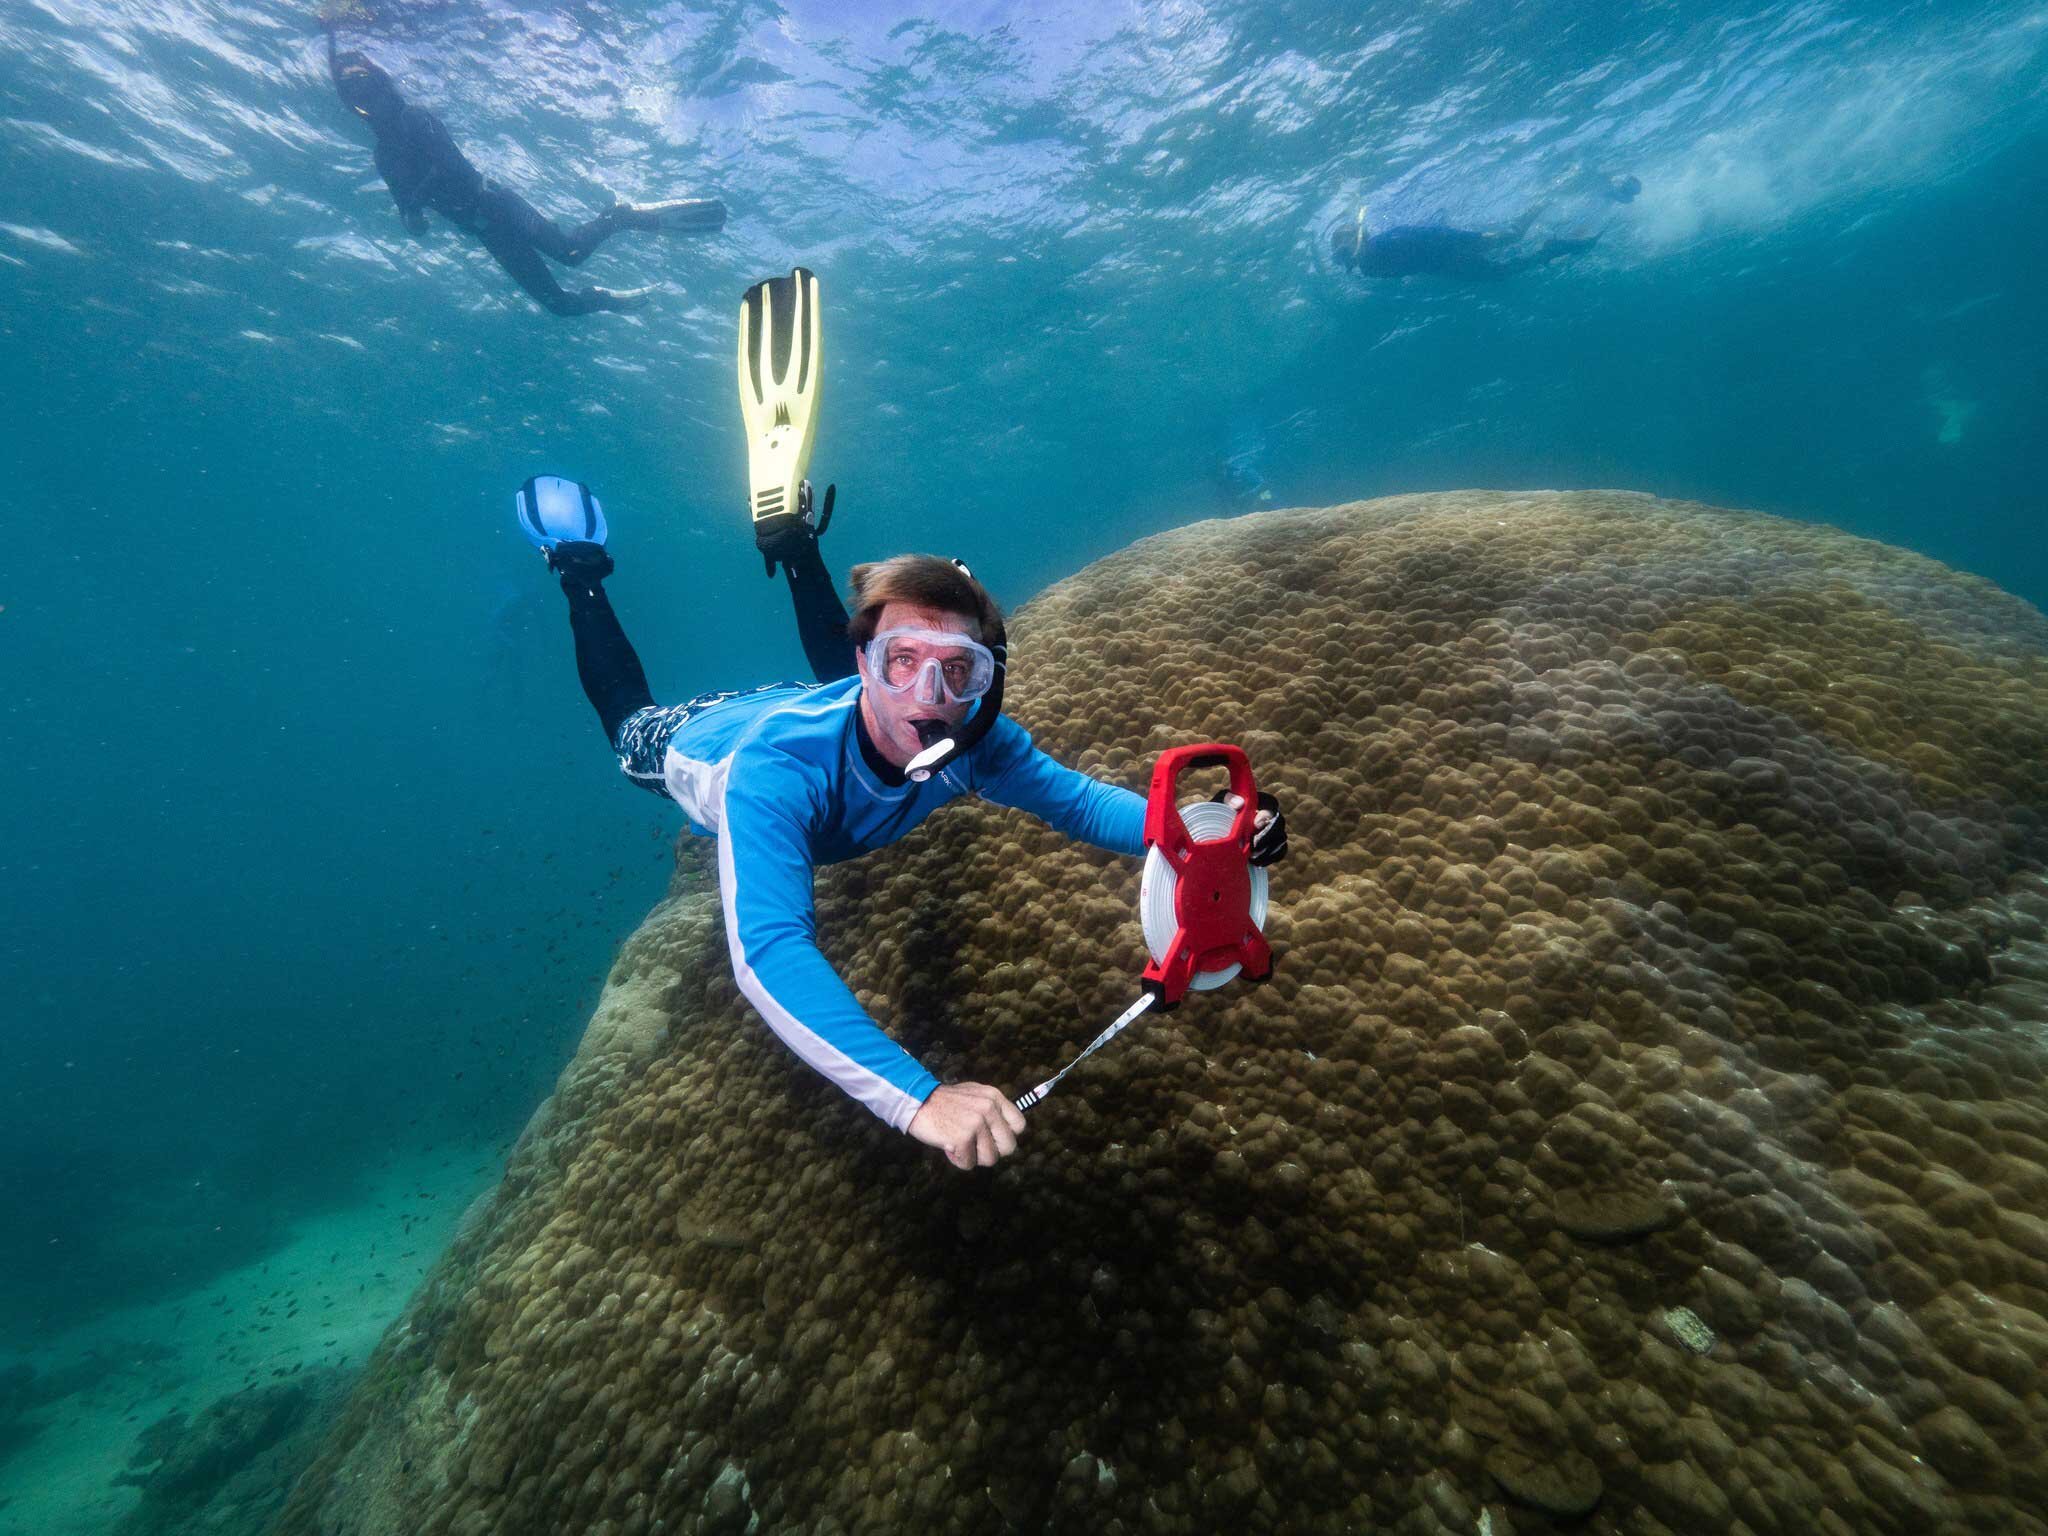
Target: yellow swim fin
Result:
[781, 365]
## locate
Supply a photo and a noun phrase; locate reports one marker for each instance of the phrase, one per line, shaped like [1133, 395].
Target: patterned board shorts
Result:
[642, 742]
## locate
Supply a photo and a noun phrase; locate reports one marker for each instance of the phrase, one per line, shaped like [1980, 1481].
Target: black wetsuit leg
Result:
[520, 236]
[821, 618]
[612, 677]
[571, 247]
[637, 728]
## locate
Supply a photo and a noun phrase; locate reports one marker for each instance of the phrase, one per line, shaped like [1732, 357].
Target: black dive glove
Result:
[1269, 843]
[579, 560]
[786, 538]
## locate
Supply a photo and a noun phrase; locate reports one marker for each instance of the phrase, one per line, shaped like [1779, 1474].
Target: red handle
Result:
[1163, 825]
[1212, 897]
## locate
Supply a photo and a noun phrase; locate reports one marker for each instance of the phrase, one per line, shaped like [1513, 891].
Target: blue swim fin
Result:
[552, 511]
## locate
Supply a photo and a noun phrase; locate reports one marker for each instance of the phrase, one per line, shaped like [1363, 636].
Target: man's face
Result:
[892, 717]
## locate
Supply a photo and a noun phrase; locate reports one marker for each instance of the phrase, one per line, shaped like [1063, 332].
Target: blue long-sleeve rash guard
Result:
[784, 778]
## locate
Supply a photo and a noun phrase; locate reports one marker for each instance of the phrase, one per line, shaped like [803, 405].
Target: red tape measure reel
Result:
[1200, 901]
[1214, 929]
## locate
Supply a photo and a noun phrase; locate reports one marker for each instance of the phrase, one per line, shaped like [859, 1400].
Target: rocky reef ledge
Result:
[1645, 1129]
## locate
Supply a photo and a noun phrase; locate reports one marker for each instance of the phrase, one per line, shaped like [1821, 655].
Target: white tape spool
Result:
[1206, 821]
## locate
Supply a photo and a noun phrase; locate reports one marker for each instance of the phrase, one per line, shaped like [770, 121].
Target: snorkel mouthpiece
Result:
[939, 749]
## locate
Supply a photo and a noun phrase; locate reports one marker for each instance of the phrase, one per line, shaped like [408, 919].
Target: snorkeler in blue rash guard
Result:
[794, 775]
[1438, 250]
[424, 169]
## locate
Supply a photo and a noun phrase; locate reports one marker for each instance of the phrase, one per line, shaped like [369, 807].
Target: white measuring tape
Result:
[1206, 821]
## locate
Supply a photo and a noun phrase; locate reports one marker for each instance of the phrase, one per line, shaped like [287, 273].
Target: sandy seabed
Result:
[320, 1301]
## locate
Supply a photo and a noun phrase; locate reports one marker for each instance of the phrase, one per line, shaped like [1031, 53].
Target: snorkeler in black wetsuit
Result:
[1438, 250]
[424, 169]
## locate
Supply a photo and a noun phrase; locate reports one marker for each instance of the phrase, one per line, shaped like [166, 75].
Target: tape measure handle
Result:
[1164, 828]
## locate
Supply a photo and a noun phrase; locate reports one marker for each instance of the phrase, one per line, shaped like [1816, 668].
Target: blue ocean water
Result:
[314, 857]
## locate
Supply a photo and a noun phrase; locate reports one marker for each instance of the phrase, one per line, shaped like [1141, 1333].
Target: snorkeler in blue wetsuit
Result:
[905, 716]
[1439, 250]
[424, 169]
[793, 775]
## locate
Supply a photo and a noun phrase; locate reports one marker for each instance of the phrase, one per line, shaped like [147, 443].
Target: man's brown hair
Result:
[924, 581]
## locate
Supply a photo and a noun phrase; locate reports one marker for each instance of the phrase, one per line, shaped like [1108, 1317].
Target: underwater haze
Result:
[315, 857]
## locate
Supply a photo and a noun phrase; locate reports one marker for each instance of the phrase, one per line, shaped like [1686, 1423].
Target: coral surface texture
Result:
[1645, 1127]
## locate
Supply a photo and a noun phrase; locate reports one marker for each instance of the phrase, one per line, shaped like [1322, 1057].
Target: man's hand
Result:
[1269, 827]
[973, 1124]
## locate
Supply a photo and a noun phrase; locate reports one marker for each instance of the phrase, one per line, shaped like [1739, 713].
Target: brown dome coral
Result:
[1645, 1127]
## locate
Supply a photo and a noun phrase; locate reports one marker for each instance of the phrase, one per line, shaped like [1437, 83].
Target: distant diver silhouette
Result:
[1439, 250]
[1239, 474]
[424, 169]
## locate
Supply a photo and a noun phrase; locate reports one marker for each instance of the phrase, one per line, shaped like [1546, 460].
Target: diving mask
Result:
[935, 666]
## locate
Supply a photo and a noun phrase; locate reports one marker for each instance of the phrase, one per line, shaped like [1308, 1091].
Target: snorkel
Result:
[942, 743]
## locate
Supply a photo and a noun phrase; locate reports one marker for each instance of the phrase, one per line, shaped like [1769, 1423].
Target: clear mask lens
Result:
[932, 666]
